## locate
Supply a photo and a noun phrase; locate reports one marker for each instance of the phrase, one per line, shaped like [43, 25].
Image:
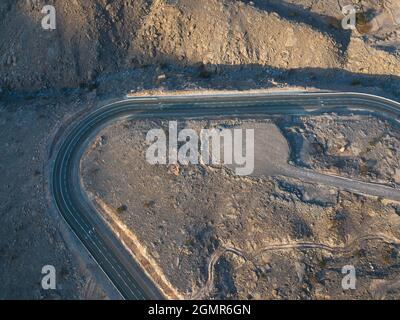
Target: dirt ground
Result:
[32, 235]
[102, 50]
[216, 235]
[359, 146]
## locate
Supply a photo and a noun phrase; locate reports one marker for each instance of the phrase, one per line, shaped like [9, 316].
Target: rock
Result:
[397, 176]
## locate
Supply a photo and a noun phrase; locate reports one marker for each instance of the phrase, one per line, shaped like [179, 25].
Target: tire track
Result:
[345, 249]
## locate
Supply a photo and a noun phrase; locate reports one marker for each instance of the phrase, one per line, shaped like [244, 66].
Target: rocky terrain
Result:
[253, 44]
[104, 49]
[216, 235]
[358, 146]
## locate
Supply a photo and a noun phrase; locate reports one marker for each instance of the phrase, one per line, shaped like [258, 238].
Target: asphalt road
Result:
[83, 218]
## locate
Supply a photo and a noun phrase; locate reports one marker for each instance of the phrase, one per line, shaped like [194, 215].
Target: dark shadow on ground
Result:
[224, 77]
[245, 77]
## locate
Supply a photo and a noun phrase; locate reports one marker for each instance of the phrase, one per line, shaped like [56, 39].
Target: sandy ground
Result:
[216, 235]
[102, 50]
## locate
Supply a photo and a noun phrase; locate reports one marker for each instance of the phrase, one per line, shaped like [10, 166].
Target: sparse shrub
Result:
[122, 208]
[205, 72]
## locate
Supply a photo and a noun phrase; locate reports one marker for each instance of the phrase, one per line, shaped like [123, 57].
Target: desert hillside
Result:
[98, 38]
[104, 49]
